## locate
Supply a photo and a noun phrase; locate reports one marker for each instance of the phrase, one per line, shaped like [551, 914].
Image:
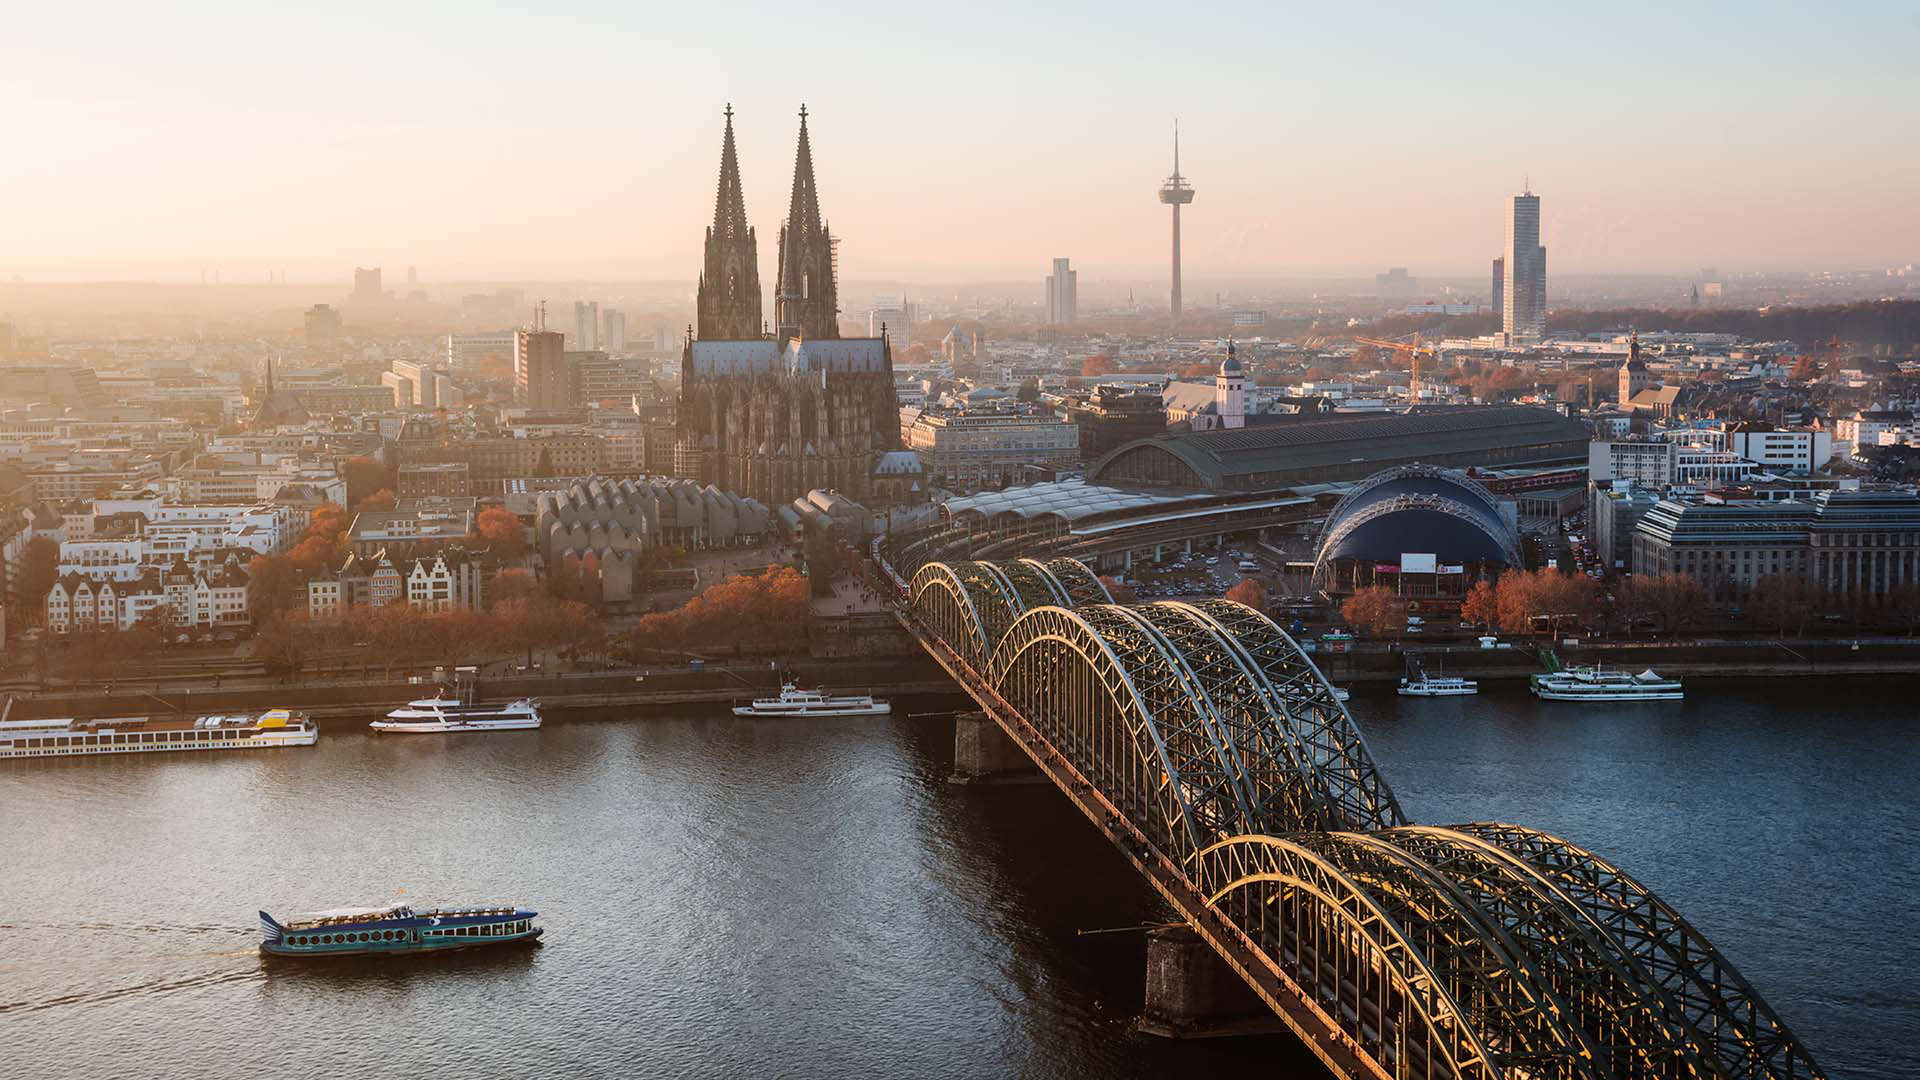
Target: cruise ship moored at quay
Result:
[1592, 684]
[794, 701]
[397, 930]
[148, 734]
[441, 713]
[460, 710]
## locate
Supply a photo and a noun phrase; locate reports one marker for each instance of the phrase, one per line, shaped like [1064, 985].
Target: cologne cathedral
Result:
[774, 415]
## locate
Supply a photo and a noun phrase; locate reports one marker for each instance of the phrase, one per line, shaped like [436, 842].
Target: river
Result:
[728, 897]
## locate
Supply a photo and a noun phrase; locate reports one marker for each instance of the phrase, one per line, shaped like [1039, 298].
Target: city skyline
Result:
[455, 161]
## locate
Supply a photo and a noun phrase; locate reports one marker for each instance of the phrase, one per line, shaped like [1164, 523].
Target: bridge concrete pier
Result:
[1193, 994]
[982, 753]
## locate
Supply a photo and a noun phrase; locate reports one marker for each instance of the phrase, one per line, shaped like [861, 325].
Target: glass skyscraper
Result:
[1524, 292]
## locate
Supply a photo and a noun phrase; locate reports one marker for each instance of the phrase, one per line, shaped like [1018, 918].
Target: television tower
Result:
[1176, 192]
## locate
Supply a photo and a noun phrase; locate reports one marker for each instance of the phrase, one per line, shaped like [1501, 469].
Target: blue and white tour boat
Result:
[397, 930]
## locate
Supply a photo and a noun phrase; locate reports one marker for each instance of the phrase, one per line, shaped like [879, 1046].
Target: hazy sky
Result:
[955, 140]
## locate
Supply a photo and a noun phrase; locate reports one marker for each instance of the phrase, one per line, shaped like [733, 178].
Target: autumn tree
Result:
[39, 568]
[1632, 600]
[383, 499]
[1375, 610]
[1097, 365]
[501, 531]
[1524, 598]
[563, 578]
[1197, 371]
[513, 585]
[762, 608]
[273, 585]
[1117, 589]
[577, 627]
[664, 630]
[591, 593]
[324, 546]
[1516, 599]
[1481, 604]
[1677, 600]
[1249, 592]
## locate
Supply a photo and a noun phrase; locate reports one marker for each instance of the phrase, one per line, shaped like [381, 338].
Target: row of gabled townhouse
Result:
[439, 581]
[190, 598]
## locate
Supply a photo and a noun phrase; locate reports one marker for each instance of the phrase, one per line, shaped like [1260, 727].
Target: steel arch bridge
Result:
[1215, 753]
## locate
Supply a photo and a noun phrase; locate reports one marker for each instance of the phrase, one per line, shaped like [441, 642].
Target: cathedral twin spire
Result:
[806, 294]
[729, 303]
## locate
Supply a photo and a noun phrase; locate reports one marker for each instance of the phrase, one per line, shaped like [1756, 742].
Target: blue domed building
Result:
[1424, 530]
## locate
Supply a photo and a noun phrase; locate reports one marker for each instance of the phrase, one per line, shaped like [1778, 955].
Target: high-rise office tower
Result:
[891, 317]
[586, 325]
[1500, 287]
[1524, 290]
[1062, 293]
[366, 283]
[615, 324]
[1176, 192]
[540, 372]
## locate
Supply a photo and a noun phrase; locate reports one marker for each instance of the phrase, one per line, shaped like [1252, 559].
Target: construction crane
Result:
[1413, 349]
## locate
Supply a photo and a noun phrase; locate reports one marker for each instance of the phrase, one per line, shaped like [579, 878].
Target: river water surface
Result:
[726, 897]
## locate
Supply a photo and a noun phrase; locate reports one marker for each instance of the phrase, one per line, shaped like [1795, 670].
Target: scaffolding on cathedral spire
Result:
[806, 296]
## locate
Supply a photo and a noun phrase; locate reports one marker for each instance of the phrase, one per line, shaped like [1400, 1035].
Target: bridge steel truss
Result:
[1207, 745]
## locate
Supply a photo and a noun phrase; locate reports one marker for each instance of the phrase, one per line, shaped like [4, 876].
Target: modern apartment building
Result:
[541, 377]
[586, 325]
[467, 352]
[614, 331]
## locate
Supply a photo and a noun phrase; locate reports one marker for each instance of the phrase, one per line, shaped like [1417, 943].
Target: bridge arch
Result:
[1332, 752]
[1636, 1028]
[1326, 933]
[1741, 1034]
[1081, 585]
[1261, 745]
[1057, 666]
[970, 603]
[950, 606]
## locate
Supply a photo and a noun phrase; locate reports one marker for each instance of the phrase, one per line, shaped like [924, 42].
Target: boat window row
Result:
[506, 929]
[124, 738]
[348, 939]
[173, 735]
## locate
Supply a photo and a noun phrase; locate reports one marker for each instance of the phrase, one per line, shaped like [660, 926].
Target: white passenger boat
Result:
[794, 701]
[1594, 684]
[1425, 685]
[460, 711]
[149, 734]
[441, 713]
[1341, 693]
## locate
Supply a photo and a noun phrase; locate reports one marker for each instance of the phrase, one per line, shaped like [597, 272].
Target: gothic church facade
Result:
[773, 414]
